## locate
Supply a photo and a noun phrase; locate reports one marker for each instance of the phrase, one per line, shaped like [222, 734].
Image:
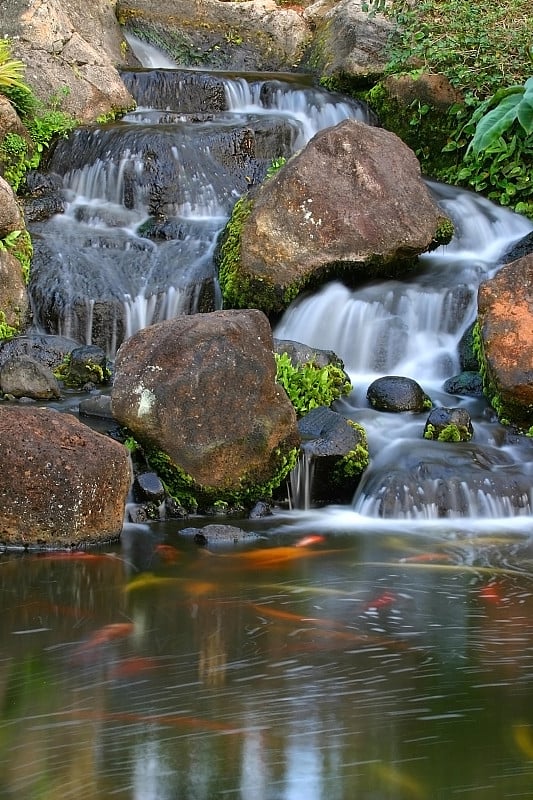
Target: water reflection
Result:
[371, 665]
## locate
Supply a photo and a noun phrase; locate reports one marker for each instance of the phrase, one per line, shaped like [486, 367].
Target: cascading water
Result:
[146, 198]
[413, 328]
[146, 201]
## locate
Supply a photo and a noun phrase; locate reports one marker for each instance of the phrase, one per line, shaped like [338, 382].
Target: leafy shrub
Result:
[308, 385]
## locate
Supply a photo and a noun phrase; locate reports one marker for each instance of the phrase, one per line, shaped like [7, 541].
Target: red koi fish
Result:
[492, 593]
[133, 667]
[384, 601]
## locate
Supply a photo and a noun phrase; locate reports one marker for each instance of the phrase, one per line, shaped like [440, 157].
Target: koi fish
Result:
[288, 616]
[427, 558]
[310, 539]
[133, 667]
[109, 633]
[269, 557]
[73, 555]
[492, 593]
[523, 737]
[167, 553]
[395, 780]
[384, 600]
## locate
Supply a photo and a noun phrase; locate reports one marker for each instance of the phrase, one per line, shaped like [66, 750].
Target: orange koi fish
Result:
[167, 553]
[310, 539]
[427, 558]
[109, 633]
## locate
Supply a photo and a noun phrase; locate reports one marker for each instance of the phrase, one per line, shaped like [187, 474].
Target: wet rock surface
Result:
[63, 485]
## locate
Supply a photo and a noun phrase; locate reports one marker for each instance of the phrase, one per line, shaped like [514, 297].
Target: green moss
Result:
[309, 386]
[234, 290]
[423, 127]
[450, 433]
[354, 463]
[199, 497]
[445, 231]
[6, 331]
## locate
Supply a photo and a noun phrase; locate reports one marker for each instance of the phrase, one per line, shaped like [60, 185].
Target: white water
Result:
[409, 328]
[413, 328]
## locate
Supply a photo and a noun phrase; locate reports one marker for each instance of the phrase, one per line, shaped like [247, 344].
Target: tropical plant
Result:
[498, 114]
[11, 69]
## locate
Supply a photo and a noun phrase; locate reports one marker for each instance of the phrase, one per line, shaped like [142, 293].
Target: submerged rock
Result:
[334, 454]
[449, 425]
[396, 393]
[219, 535]
[63, 485]
[199, 393]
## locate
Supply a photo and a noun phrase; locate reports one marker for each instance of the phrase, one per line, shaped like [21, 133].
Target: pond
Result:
[378, 663]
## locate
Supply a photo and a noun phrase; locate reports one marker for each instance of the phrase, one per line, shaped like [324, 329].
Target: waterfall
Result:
[413, 328]
[146, 200]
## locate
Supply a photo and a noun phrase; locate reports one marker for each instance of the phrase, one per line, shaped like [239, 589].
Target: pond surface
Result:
[375, 664]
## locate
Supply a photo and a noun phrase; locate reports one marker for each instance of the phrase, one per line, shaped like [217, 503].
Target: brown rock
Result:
[63, 485]
[202, 389]
[69, 46]
[13, 295]
[353, 202]
[348, 41]
[505, 317]
[10, 213]
[430, 88]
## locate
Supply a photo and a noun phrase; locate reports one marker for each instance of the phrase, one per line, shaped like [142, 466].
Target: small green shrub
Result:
[308, 385]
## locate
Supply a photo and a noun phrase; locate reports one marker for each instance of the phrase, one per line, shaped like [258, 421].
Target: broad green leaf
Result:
[525, 114]
[493, 124]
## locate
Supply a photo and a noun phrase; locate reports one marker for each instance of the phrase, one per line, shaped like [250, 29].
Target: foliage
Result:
[18, 243]
[230, 253]
[478, 46]
[484, 51]
[11, 69]
[18, 154]
[497, 114]
[308, 385]
[275, 166]
[6, 331]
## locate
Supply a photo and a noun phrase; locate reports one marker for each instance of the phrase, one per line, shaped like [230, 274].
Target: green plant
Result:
[6, 331]
[275, 165]
[11, 69]
[308, 385]
[19, 244]
[230, 252]
[499, 113]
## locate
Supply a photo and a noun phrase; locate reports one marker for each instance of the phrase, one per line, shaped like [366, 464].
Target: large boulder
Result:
[199, 393]
[63, 485]
[70, 51]
[252, 35]
[352, 204]
[505, 326]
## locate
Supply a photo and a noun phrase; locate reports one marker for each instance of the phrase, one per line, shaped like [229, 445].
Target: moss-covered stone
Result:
[354, 463]
[198, 497]
[424, 127]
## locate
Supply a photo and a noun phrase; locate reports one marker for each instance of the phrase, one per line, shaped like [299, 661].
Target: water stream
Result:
[391, 658]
